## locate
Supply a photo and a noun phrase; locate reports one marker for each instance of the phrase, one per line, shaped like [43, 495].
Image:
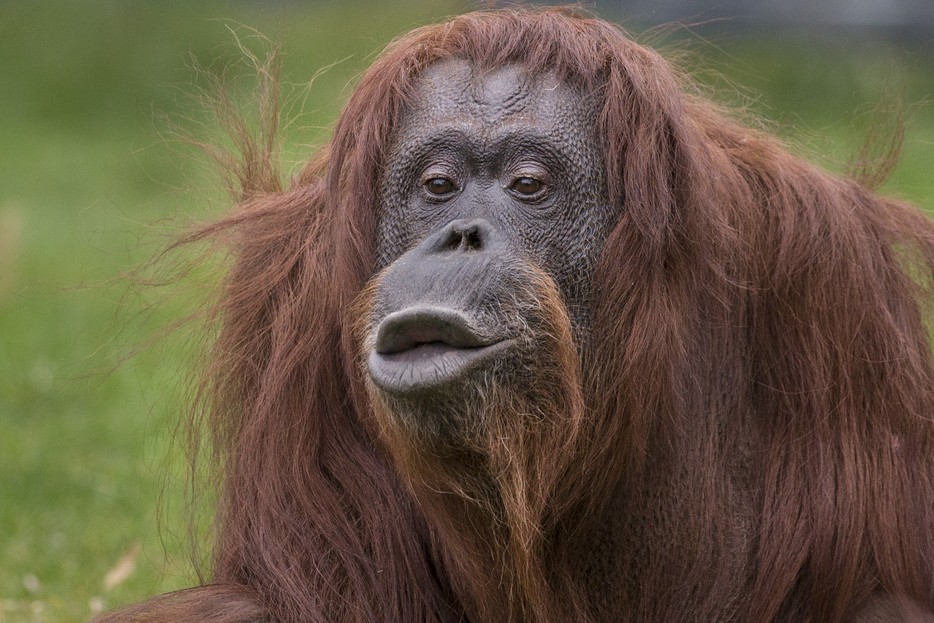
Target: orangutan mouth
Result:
[422, 348]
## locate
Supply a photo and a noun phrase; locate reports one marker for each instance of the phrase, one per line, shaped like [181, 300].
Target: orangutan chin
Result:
[541, 336]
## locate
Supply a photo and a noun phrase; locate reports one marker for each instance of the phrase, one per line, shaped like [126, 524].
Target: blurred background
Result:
[93, 186]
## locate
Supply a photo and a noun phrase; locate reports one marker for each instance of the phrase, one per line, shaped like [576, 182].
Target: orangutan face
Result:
[493, 198]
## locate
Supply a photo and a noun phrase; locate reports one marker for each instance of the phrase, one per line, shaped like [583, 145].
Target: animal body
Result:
[543, 336]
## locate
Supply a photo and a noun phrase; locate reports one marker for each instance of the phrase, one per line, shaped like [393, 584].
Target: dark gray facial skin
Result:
[487, 175]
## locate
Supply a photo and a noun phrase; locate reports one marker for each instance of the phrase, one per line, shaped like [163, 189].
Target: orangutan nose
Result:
[464, 236]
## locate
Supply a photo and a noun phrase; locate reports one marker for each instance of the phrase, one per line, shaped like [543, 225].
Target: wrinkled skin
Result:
[491, 177]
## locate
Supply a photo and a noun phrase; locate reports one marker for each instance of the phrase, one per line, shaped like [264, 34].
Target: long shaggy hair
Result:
[753, 421]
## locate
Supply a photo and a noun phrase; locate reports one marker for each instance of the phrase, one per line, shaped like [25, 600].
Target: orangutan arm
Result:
[219, 603]
[883, 608]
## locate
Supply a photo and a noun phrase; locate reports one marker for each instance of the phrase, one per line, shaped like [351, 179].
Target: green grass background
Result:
[90, 189]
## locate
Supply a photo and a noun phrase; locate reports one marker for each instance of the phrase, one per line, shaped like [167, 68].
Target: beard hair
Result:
[491, 460]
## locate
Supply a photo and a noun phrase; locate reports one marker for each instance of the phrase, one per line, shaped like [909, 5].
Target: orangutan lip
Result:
[422, 347]
[411, 328]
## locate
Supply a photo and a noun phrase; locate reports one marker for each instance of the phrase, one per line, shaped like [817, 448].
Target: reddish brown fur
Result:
[753, 422]
[496, 495]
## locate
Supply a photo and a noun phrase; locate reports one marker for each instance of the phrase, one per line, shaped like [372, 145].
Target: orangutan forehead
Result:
[452, 87]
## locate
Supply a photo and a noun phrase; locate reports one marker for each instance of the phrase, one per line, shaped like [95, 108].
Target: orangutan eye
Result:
[526, 185]
[439, 186]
